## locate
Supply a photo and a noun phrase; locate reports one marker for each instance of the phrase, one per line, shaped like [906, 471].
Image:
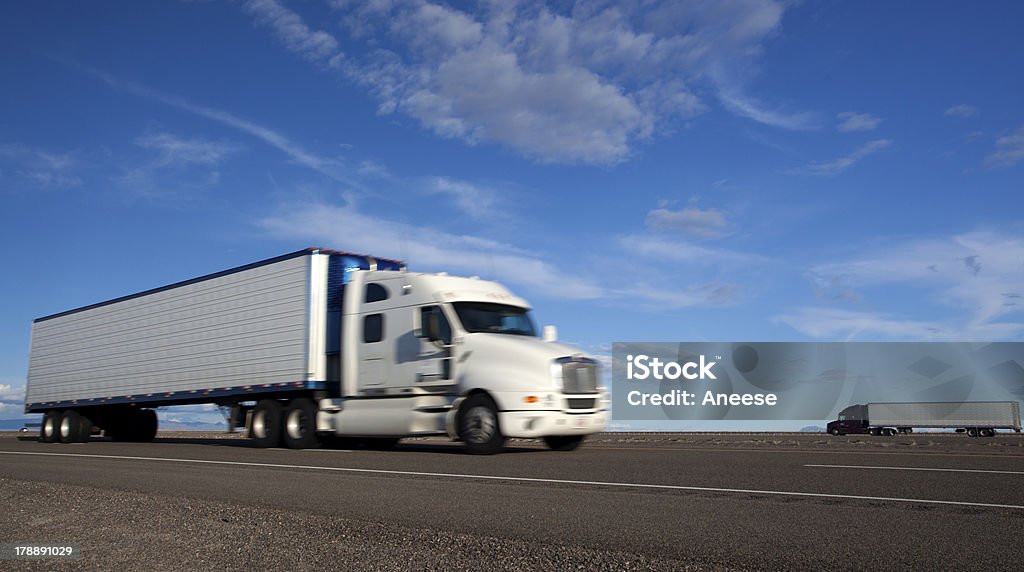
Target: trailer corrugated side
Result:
[990, 414]
[257, 328]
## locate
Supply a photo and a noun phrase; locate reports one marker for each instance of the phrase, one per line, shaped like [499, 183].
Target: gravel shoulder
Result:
[118, 530]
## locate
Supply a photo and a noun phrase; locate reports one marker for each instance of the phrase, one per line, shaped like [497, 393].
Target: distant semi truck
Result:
[976, 418]
[313, 344]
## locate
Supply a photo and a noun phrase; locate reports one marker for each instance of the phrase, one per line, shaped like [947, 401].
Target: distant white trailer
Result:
[976, 418]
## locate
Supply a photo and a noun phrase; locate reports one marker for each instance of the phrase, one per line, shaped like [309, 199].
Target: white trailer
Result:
[313, 344]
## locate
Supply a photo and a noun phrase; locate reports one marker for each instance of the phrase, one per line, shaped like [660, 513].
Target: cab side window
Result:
[373, 328]
[375, 293]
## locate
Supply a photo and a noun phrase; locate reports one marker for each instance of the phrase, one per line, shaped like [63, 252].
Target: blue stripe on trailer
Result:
[191, 395]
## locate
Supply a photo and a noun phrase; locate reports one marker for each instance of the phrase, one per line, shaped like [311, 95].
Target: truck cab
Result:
[853, 419]
[432, 353]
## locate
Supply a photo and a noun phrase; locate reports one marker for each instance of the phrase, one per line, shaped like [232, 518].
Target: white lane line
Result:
[523, 479]
[919, 469]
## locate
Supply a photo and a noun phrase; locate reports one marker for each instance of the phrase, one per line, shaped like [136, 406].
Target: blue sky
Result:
[746, 170]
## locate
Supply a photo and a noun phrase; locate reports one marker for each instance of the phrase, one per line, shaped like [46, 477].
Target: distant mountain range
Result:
[15, 424]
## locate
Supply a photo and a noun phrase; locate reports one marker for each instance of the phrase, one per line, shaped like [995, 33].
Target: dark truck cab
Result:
[854, 420]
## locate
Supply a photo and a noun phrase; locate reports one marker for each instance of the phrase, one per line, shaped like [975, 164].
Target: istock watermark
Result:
[804, 380]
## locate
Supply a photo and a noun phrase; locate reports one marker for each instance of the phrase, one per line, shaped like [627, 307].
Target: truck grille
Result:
[582, 403]
[579, 376]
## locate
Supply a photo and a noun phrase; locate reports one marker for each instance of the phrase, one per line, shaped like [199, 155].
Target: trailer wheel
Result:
[49, 432]
[74, 428]
[300, 424]
[564, 442]
[266, 424]
[972, 431]
[478, 426]
[987, 432]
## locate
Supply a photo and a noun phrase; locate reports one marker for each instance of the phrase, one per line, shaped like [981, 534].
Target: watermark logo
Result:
[804, 380]
[642, 367]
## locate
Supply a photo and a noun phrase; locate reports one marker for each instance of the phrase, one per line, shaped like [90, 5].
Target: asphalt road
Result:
[620, 502]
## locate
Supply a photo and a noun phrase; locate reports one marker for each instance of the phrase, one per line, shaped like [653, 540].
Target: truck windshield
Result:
[494, 318]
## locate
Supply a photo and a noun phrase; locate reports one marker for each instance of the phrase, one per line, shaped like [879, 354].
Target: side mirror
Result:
[550, 334]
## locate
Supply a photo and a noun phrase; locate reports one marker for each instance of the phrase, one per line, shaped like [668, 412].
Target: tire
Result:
[478, 426]
[73, 428]
[265, 429]
[972, 431]
[875, 432]
[49, 432]
[889, 432]
[563, 442]
[300, 424]
[835, 432]
[988, 432]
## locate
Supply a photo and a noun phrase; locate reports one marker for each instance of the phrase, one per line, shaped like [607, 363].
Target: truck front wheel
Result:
[478, 426]
[835, 432]
[564, 442]
[266, 424]
[300, 424]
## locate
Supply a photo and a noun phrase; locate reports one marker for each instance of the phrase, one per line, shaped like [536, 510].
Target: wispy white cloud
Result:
[751, 108]
[326, 166]
[314, 45]
[702, 223]
[664, 297]
[39, 168]
[681, 251]
[961, 111]
[474, 200]
[430, 248]
[844, 324]
[852, 121]
[180, 168]
[12, 392]
[1009, 150]
[175, 150]
[976, 276]
[577, 84]
[841, 164]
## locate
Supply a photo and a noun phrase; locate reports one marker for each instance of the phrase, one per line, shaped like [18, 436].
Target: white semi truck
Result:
[313, 344]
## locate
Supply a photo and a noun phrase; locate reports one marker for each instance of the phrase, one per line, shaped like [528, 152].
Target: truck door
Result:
[375, 325]
[415, 360]
[433, 360]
